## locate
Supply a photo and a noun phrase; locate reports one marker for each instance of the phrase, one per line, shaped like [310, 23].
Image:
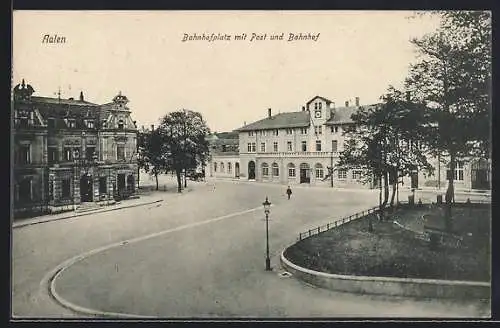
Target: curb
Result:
[389, 286]
[24, 224]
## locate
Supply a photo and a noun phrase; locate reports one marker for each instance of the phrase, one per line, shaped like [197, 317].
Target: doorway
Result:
[251, 170]
[86, 188]
[305, 173]
[237, 170]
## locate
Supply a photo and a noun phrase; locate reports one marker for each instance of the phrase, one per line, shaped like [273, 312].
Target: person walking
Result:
[289, 192]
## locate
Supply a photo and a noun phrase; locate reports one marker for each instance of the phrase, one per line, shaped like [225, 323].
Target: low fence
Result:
[336, 223]
[376, 209]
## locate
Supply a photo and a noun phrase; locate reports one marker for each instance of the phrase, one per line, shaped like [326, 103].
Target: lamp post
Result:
[267, 206]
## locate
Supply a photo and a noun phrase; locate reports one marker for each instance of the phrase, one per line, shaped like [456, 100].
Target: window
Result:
[356, 174]
[319, 105]
[253, 147]
[104, 124]
[53, 156]
[289, 131]
[275, 146]
[221, 167]
[334, 145]
[89, 153]
[250, 133]
[23, 122]
[215, 167]
[24, 154]
[249, 145]
[90, 124]
[65, 188]
[316, 105]
[262, 132]
[342, 174]
[103, 189]
[262, 146]
[304, 145]
[319, 171]
[276, 171]
[303, 130]
[275, 132]
[334, 129]
[265, 169]
[120, 152]
[291, 170]
[224, 148]
[289, 146]
[318, 129]
[229, 167]
[459, 172]
[51, 123]
[68, 154]
[318, 145]
[71, 123]
[25, 190]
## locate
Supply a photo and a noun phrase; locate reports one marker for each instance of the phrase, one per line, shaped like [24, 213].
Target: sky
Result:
[143, 55]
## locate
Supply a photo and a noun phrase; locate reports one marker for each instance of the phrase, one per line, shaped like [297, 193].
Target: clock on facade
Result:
[317, 114]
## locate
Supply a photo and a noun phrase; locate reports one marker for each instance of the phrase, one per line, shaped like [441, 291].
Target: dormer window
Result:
[121, 124]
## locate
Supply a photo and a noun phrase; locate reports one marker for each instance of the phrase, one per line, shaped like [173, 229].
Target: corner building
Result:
[68, 152]
[299, 147]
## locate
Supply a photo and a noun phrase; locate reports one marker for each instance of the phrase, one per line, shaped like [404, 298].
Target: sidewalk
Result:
[143, 200]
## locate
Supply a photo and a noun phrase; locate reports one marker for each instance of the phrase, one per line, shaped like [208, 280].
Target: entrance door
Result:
[237, 170]
[305, 173]
[130, 183]
[251, 170]
[86, 188]
[121, 183]
[479, 175]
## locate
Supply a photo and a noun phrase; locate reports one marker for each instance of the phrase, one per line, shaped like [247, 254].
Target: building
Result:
[68, 152]
[301, 147]
[224, 161]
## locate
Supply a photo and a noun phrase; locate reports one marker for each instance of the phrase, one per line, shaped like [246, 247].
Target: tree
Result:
[384, 141]
[453, 77]
[152, 153]
[184, 135]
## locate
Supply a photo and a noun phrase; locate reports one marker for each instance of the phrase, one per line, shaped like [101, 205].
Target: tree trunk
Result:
[450, 194]
[179, 182]
[156, 177]
[185, 178]
[386, 189]
[393, 181]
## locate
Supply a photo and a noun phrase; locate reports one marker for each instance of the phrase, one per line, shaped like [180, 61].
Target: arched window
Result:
[221, 167]
[265, 169]
[276, 170]
[229, 168]
[291, 170]
[319, 171]
[120, 124]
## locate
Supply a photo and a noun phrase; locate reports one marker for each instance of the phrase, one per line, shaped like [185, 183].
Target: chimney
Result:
[81, 95]
[357, 101]
[152, 127]
[269, 112]
[347, 103]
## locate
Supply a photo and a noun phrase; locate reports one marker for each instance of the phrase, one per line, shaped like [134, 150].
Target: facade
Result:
[224, 155]
[300, 147]
[68, 152]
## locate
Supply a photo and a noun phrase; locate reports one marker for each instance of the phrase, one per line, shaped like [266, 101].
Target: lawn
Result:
[390, 251]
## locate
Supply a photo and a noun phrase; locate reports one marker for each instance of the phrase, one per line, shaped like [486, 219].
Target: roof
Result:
[281, 120]
[323, 98]
[49, 100]
[227, 135]
[343, 114]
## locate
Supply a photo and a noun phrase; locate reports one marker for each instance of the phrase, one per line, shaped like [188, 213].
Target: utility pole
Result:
[331, 170]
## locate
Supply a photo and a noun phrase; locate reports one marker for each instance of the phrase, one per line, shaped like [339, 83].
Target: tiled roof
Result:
[49, 100]
[282, 120]
[343, 114]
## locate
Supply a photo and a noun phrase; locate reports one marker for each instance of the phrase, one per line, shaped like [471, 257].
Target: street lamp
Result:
[267, 206]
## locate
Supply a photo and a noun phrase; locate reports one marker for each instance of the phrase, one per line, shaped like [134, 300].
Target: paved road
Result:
[206, 260]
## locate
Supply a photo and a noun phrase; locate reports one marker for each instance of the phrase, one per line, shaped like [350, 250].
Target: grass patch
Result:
[390, 251]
